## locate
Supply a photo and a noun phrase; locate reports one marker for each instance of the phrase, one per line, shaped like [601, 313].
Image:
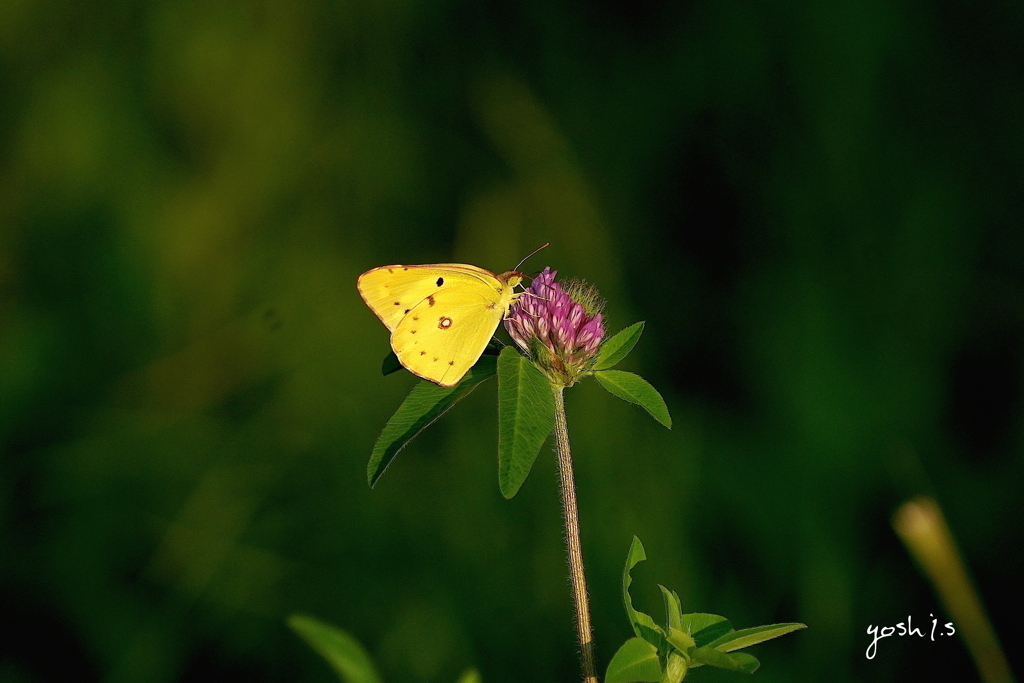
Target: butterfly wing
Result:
[443, 336]
[392, 291]
[441, 316]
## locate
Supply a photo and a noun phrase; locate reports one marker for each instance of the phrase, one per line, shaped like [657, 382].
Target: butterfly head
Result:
[511, 277]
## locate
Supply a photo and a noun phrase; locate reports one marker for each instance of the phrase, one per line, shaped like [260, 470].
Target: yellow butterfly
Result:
[441, 315]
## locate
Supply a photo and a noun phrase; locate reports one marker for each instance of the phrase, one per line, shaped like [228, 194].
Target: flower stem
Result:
[572, 540]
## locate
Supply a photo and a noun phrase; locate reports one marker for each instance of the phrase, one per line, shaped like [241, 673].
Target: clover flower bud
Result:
[560, 328]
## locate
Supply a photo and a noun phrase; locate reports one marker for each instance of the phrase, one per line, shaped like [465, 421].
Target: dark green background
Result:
[816, 207]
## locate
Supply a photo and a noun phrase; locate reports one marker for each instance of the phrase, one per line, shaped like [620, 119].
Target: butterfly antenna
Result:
[543, 246]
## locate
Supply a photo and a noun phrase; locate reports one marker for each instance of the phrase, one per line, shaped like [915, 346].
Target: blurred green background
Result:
[816, 207]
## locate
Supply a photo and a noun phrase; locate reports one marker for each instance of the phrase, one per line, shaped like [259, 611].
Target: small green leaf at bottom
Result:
[752, 636]
[636, 661]
[705, 628]
[734, 661]
[673, 611]
[643, 624]
[635, 389]
[343, 652]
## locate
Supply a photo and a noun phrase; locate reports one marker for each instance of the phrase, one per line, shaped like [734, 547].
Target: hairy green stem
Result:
[572, 540]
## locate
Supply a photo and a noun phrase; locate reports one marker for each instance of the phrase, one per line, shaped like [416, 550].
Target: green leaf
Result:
[673, 612]
[343, 652]
[390, 364]
[526, 415]
[642, 624]
[494, 347]
[635, 389]
[752, 636]
[747, 663]
[705, 628]
[738, 661]
[469, 676]
[675, 635]
[636, 660]
[676, 667]
[680, 640]
[618, 347]
[424, 404]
